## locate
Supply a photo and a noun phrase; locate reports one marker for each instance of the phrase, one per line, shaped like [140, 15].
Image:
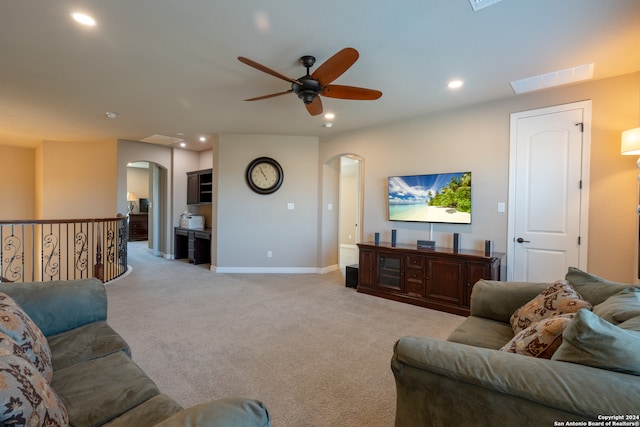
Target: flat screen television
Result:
[441, 197]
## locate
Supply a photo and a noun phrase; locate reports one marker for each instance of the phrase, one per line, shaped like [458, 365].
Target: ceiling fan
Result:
[310, 87]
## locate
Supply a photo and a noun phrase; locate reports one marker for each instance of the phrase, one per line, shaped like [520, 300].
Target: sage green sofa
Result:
[94, 376]
[467, 381]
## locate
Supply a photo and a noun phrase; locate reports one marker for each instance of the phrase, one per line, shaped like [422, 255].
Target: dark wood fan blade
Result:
[267, 70]
[333, 67]
[351, 92]
[315, 107]
[257, 98]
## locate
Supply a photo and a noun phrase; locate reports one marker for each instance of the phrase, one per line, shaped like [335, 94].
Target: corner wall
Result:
[18, 189]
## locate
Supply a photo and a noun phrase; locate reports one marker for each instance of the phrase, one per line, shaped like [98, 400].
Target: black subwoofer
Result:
[352, 276]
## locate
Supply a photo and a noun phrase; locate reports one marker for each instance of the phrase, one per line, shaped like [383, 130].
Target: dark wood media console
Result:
[440, 278]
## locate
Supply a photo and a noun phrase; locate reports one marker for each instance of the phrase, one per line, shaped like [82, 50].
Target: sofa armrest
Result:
[59, 306]
[496, 300]
[230, 412]
[443, 383]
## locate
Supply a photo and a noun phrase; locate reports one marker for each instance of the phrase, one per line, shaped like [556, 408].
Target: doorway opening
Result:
[350, 210]
[146, 201]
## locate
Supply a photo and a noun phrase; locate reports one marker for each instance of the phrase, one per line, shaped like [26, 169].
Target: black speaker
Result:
[488, 247]
[352, 276]
[456, 242]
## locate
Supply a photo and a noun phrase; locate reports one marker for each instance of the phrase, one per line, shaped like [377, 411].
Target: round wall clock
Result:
[264, 175]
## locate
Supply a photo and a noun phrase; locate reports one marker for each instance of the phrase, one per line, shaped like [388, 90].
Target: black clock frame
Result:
[273, 163]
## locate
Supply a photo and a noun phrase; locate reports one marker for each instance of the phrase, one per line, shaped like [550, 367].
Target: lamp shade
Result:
[131, 197]
[631, 142]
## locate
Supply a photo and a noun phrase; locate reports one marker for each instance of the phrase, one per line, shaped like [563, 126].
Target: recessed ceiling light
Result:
[111, 114]
[183, 144]
[328, 125]
[203, 138]
[83, 19]
[329, 116]
[455, 84]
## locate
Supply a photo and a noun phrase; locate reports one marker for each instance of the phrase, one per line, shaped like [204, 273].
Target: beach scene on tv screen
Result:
[444, 197]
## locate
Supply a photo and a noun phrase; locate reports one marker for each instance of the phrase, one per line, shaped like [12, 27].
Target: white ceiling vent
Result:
[162, 140]
[481, 4]
[556, 78]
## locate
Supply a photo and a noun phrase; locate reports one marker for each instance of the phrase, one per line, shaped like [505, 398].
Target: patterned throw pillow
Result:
[540, 339]
[26, 398]
[558, 298]
[18, 325]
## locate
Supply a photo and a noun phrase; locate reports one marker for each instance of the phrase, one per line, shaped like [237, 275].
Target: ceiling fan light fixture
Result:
[311, 87]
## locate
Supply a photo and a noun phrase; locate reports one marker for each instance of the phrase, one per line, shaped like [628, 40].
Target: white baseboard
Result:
[275, 270]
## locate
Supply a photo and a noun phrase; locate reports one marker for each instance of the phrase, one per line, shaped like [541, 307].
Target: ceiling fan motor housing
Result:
[308, 90]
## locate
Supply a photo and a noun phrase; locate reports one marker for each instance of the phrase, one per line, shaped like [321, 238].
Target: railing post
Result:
[98, 269]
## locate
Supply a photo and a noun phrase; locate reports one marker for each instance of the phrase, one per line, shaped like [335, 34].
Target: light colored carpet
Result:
[317, 353]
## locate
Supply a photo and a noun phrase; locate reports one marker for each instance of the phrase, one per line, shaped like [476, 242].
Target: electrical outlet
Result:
[269, 254]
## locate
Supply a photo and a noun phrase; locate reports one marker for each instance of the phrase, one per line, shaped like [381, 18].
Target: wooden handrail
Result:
[59, 221]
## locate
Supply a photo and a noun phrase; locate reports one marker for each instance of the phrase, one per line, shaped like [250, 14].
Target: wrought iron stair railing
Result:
[44, 250]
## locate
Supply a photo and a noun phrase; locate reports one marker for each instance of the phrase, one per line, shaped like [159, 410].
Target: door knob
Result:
[521, 240]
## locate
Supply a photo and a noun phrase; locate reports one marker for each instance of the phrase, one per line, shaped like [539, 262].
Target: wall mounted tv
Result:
[442, 197]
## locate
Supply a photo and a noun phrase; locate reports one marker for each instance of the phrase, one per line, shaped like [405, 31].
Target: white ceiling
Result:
[170, 66]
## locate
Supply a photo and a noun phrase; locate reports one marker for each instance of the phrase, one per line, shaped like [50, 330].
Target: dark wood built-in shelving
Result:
[200, 187]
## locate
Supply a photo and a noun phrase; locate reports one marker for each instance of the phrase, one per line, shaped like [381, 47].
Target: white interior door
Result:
[548, 192]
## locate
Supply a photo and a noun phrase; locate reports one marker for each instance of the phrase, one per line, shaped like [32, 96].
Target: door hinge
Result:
[578, 240]
[580, 184]
[581, 126]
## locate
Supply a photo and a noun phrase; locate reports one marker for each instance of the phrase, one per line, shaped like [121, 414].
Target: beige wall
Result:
[18, 189]
[476, 138]
[250, 224]
[78, 178]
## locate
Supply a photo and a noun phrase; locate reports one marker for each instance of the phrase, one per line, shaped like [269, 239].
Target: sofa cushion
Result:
[497, 300]
[15, 323]
[82, 301]
[85, 343]
[26, 396]
[148, 413]
[620, 307]
[230, 412]
[102, 389]
[481, 332]
[540, 339]
[592, 341]
[593, 288]
[632, 324]
[558, 298]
